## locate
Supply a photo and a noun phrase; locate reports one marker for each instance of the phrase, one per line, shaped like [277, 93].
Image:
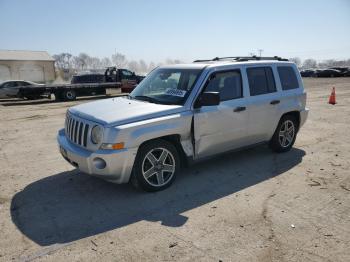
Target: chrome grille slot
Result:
[76, 130]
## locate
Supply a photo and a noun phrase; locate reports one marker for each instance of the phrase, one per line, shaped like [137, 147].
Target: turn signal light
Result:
[116, 146]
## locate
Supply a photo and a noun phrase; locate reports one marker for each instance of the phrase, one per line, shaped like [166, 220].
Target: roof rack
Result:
[242, 58]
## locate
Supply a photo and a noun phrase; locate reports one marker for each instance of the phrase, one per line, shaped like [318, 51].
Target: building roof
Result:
[25, 55]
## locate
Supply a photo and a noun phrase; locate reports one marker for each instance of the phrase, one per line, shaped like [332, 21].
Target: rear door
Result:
[263, 103]
[223, 127]
[8, 89]
[292, 95]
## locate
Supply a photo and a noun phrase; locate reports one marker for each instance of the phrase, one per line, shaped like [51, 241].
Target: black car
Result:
[346, 73]
[341, 69]
[88, 78]
[307, 73]
[327, 73]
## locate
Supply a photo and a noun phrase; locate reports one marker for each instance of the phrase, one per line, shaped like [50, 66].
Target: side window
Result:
[228, 84]
[10, 84]
[22, 83]
[127, 73]
[288, 78]
[261, 81]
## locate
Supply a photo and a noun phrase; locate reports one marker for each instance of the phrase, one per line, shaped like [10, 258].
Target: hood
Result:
[121, 111]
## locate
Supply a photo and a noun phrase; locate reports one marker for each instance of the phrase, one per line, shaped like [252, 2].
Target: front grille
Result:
[76, 130]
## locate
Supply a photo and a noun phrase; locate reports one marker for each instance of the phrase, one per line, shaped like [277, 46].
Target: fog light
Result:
[99, 163]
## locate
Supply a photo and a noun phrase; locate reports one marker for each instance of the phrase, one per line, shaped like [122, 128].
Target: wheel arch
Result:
[295, 114]
[175, 140]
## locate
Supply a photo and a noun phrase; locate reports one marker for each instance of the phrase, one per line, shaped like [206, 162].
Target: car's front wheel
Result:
[155, 166]
[285, 134]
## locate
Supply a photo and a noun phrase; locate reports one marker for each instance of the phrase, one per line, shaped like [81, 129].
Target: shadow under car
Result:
[69, 206]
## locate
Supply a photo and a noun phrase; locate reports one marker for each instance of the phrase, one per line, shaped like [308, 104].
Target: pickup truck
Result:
[184, 113]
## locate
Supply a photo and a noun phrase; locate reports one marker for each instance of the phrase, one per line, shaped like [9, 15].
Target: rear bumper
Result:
[118, 163]
[303, 116]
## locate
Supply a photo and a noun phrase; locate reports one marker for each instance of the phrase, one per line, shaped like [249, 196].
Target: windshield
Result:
[166, 86]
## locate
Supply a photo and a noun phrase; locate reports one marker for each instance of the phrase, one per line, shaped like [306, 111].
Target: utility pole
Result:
[260, 51]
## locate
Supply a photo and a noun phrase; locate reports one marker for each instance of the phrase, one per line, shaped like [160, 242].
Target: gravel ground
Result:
[253, 205]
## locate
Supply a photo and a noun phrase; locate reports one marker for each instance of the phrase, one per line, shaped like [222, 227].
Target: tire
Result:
[150, 172]
[69, 95]
[283, 140]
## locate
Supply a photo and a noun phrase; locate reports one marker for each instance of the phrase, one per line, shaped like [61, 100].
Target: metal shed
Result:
[37, 66]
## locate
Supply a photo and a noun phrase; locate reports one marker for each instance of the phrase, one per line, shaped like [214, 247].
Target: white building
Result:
[37, 66]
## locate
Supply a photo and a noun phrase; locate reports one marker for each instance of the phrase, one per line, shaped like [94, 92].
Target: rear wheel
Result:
[285, 134]
[155, 166]
[69, 95]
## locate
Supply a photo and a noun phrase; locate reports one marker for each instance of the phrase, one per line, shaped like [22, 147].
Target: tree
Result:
[296, 60]
[133, 66]
[119, 60]
[62, 61]
[151, 66]
[143, 68]
[93, 63]
[106, 62]
[310, 63]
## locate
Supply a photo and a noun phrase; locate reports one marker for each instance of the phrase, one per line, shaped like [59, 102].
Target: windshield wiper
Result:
[147, 98]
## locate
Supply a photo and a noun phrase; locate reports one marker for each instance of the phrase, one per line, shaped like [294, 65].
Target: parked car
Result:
[10, 88]
[327, 73]
[307, 73]
[347, 73]
[184, 113]
[341, 69]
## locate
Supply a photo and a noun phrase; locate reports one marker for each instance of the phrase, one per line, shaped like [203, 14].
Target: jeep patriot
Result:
[185, 113]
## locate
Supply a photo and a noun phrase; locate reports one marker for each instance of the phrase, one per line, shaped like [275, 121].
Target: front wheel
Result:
[284, 137]
[155, 166]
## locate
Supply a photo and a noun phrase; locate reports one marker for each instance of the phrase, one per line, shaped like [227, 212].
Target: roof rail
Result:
[242, 58]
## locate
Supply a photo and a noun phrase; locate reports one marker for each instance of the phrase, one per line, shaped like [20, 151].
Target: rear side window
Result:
[228, 84]
[261, 81]
[10, 84]
[288, 78]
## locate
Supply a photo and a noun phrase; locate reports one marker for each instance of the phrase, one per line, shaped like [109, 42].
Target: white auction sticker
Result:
[175, 92]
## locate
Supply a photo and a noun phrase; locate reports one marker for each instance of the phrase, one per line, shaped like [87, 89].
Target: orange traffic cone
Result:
[332, 97]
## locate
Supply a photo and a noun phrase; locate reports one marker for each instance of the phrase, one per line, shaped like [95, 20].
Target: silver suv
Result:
[181, 113]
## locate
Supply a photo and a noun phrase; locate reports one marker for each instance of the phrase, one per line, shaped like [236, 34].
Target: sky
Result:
[156, 30]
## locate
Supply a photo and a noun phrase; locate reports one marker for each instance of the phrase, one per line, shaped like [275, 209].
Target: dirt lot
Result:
[247, 206]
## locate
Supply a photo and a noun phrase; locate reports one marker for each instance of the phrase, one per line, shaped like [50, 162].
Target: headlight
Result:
[96, 134]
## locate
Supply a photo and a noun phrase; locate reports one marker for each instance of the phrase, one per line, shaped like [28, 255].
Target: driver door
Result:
[223, 127]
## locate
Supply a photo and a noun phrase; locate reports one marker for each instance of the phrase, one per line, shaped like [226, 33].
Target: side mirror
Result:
[208, 99]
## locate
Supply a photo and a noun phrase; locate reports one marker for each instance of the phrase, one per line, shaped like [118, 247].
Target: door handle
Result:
[275, 102]
[239, 109]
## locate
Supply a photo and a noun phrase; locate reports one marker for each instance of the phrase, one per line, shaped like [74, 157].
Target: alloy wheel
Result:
[158, 167]
[286, 133]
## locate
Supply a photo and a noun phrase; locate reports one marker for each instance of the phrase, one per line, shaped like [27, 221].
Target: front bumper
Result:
[119, 163]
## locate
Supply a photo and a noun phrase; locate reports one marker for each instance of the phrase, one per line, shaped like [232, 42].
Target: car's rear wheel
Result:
[285, 134]
[155, 166]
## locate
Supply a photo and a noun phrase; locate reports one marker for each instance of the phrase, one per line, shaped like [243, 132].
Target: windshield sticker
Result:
[175, 92]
